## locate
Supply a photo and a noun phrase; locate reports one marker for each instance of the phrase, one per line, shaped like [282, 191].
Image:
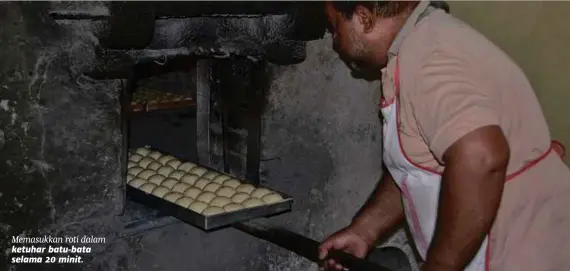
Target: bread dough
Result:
[212, 210]
[233, 207]
[198, 206]
[245, 188]
[186, 166]
[201, 183]
[192, 192]
[220, 201]
[132, 164]
[260, 192]
[180, 187]
[210, 175]
[233, 183]
[154, 155]
[220, 179]
[165, 171]
[148, 187]
[135, 170]
[174, 163]
[165, 159]
[154, 165]
[130, 177]
[156, 179]
[160, 191]
[169, 183]
[252, 202]
[177, 174]
[184, 201]
[240, 197]
[225, 191]
[173, 196]
[206, 197]
[137, 182]
[189, 179]
[198, 171]
[212, 187]
[145, 161]
[272, 198]
[145, 174]
[135, 158]
[142, 151]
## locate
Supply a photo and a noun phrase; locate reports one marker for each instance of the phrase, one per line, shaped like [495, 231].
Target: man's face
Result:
[359, 41]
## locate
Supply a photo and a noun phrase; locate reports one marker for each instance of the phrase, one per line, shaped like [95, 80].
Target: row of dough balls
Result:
[191, 186]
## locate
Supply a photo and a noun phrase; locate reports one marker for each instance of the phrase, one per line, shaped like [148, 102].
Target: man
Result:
[466, 147]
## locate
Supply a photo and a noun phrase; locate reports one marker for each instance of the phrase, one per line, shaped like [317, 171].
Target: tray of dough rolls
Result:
[195, 194]
[145, 99]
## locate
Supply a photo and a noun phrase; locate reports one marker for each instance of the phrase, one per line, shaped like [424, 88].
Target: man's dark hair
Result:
[382, 8]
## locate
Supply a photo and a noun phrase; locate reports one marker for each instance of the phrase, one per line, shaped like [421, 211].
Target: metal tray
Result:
[208, 223]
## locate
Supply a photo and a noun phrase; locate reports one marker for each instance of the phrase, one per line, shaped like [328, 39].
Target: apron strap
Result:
[558, 148]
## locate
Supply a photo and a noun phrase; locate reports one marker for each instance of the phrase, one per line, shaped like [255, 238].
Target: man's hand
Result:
[349, 240]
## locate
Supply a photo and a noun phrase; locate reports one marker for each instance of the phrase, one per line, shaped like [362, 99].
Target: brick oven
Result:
[249, 89]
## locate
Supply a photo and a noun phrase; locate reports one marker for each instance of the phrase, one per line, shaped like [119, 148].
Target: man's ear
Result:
[366, 17]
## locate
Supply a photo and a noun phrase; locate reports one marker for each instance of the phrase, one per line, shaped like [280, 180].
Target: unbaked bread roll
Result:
[135, 170]
[186, 166]
[233, 183]
[184, 201]
[148, 187]
[173, 196]
[233, 207]
[154, 155]
[156, 179]
[180, 187]
[212, 210]
[132, 164]
[177, 174]
[130, 177]
[210, 175]
[260, 192]
[137, 182]
[220, 201]
[145, 174]
[225, 191]
[145, 162]
[198, 171]
[154, 165]
[192, 192]
[165, 159]
[272, 198]
[174, 163]
[198, 206]
[220, 179]
[142, 151]
[201, 183]
[135, 158]
[240, 197]
[169, 183]
[212, 187]
[165, 171]
[189, 179]
[252, 202]
[206, 197]
[160, 191]
[245, 188]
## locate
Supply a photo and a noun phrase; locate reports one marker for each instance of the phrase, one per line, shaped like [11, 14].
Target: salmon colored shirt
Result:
[454, 80]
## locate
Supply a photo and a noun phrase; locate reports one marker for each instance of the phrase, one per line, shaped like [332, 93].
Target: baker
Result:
[468, 155]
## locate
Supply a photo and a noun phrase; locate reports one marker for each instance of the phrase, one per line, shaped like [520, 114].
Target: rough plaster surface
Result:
[59, 172]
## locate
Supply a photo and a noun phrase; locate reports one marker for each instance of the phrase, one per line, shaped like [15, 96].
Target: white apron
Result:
[419, 186]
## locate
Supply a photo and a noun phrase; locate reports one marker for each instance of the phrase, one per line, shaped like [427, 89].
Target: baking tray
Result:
[208, 223]
[213, 222]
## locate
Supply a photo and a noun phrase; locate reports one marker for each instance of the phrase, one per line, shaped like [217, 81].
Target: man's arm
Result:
[472, 185]
[382, 211]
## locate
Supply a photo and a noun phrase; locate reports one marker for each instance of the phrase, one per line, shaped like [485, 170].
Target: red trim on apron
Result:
[415, 219]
